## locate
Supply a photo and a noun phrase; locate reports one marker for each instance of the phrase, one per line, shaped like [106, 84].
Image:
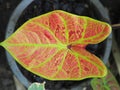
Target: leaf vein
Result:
[66, 29]
[60, 67]
[46, 28]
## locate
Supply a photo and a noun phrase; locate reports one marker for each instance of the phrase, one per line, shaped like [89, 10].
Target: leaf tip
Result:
[0, 43]
[105, 71]
[109, 28]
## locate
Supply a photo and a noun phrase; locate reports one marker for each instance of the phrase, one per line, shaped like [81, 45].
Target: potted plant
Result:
[35, 5]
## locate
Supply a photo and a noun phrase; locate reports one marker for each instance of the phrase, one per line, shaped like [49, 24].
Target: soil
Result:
[42, 6]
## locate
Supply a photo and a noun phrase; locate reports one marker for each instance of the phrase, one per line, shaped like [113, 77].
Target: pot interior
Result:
[79, 7]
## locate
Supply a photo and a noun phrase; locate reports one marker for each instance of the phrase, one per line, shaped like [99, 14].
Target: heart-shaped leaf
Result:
[53, 46]
[105, 83]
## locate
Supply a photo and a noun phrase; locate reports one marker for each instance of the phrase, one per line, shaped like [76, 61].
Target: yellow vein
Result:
[33, 33]
[85, 27]
[97, 35]
[33, 61]
[66, 29]
[36, 45]
[83, 33]
[30, 53]
[41, 25]
[60, 66]
[77, 59]
[83, 41]
[87, 59]
[48, 59]
[93, 37]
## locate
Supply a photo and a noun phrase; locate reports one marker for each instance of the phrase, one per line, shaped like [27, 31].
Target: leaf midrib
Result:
[62, 46]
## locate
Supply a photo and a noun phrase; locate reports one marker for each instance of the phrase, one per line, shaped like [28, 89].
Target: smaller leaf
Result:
[106, 83]
[37, 86]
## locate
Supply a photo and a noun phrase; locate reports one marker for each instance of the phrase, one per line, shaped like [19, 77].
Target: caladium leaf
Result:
[105, 83]
[53, 46]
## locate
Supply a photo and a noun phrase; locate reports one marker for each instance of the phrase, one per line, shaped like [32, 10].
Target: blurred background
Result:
[7, 80]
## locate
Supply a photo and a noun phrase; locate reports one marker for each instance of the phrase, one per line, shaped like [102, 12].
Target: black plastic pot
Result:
[29, 8]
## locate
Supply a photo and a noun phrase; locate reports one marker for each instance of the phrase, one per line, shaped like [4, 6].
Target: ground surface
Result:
[6, 8]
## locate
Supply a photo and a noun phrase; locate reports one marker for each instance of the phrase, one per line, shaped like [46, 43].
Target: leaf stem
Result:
[116, 26]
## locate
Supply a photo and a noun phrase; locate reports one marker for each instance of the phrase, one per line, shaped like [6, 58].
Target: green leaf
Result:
[37, 86]
[106, 83]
